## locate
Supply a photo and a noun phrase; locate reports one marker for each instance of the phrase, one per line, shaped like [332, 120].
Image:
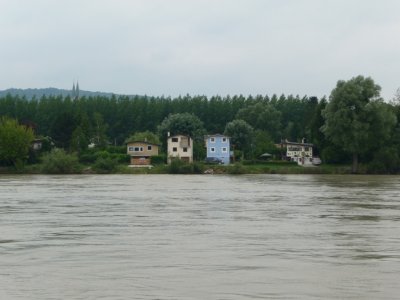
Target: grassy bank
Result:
[179, 167]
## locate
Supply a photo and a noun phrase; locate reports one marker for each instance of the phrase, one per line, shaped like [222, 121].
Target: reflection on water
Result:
[199, 237]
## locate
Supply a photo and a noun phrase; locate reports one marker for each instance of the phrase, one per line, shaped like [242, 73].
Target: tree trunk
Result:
[354, 167]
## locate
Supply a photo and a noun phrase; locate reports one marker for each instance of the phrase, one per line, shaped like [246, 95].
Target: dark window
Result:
[149, 147]
[184, 149]
[174, 149]
[175, 140]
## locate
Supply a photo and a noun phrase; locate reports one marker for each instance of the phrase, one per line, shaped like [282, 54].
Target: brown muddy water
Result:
[199, 237]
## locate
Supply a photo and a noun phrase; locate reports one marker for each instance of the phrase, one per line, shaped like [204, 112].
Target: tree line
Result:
[353, 125]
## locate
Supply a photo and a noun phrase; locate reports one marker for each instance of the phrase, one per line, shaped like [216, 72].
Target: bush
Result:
[59, 162]
[105, 165]
[116, 149]
[91, 157]
[236, 169]
[198, 168]
[87, 158]
[158, 160]
[386, 160]
[121, 158]
[178, 166]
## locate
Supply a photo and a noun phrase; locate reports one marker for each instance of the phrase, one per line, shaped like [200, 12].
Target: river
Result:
[199, 237]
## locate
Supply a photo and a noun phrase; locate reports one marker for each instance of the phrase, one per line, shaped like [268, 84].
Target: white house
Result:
[302, 153]
[180, 147]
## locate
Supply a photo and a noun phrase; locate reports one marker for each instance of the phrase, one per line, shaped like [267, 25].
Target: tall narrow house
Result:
[180, 147]
[218, 146]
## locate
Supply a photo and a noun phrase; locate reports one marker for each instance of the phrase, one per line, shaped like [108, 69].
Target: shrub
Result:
[59, 162]
[386, 160]
[121, 158]
[87, 157]
[116, 149]
[105, 165]
[198, 168]
[158, 160]
[178, 166]
[236, 169]
[91, 157]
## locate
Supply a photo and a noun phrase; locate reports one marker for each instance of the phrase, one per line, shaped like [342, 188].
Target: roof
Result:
[216, 135]
[296, 144]
[175, 135]
[142, 142]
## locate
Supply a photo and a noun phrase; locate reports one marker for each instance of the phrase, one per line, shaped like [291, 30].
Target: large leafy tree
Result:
[241, 134]
[182, 123]
[264, 117]
[356, 119]
[15, 141]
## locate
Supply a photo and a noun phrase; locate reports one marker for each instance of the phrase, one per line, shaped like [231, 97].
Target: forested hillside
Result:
[48, 92]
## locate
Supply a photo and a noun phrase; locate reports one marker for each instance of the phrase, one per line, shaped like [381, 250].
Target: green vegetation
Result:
[147, 136]
[354, 126]
[356, 119]
[241, 135]
[59, 162]
[15, 142]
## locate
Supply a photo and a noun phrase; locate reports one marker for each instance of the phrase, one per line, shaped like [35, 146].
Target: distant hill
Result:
[38, 93]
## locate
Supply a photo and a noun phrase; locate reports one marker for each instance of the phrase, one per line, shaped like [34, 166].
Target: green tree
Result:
[241, 135]
[264, 117]
[79, 141]
[263, 144]
[99, 130]
[182, 123]
[144, 136]
[15, 141]
[356, 119]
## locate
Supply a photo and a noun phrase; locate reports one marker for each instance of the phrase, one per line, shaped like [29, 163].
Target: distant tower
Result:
[75, 91]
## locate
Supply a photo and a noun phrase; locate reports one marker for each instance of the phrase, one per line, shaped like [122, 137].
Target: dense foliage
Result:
[15, 142]
[370, 130]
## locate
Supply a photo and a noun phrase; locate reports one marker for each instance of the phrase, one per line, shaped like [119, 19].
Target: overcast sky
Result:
[206, 47]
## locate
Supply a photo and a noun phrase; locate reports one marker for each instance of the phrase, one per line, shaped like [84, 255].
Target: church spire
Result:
[77, 90]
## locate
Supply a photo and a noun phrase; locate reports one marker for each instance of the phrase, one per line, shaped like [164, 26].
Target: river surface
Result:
[199, 237]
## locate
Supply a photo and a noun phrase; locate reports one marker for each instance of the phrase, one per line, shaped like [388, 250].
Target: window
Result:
[149, 147]
[138, 149]
[184, 149]
[175, 140]
[131, 149]
[174, 149]
[212, 140]
[224, 150]
[224, 140]
[212, 149]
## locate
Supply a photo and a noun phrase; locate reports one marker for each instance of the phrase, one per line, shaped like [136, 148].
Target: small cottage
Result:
[218, 147]
[302, 153]
[180, 147]
[141, 152]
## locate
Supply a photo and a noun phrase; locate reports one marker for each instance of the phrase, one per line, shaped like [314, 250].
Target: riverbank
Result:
[195, 168]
